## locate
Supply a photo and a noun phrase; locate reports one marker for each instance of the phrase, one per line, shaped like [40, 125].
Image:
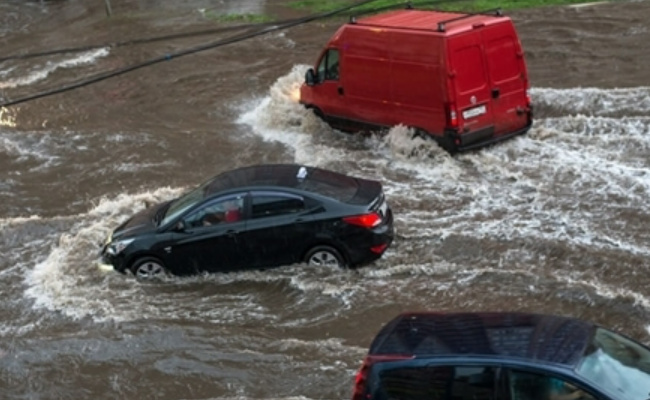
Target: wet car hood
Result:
[142, 222]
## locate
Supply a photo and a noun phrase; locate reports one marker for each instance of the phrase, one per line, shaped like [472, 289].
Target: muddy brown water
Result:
[554, 221]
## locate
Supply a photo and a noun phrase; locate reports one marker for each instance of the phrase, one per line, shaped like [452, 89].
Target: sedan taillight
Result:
[369, 220]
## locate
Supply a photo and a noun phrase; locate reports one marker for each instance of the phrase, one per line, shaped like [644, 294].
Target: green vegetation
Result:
[460, 5]
[249, 18]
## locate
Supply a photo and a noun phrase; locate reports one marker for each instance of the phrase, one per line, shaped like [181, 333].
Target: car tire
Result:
[148, 268]
[324, 256]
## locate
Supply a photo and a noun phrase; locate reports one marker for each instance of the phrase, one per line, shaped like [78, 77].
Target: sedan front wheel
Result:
[148, 268]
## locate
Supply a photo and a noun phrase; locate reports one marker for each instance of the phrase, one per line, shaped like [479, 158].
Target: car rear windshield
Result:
[328, 183]
[331, 184]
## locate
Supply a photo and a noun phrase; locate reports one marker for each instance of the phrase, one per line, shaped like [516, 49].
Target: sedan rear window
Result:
[269, 205]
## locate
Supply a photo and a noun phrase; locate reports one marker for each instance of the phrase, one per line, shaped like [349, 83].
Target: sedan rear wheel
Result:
[148, 268]
[324, 255]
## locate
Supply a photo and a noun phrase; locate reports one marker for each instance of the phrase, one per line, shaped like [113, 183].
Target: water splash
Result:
[41, 72]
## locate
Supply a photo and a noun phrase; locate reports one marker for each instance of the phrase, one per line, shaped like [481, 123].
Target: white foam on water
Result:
[6, 223]
[330, 346]
[68, 280]
[41, 72]
[604, 290]
[595, 101]
[567, 180]
[279, 117]
[26, 146]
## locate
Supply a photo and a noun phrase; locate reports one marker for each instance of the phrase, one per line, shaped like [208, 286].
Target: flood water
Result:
[554, 221]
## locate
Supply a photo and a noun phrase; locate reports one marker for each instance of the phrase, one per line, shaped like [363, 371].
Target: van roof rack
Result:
[441, 25]
[495, 11]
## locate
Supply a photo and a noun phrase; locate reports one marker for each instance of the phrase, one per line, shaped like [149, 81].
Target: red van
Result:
[459, 78]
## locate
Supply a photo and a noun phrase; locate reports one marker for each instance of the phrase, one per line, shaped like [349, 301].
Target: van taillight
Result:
[361, 379]
[528, 100]
[369, 220]
[452, 115]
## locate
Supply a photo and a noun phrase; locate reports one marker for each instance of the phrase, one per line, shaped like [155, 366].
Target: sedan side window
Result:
[269, 205]
[532, 386]
[224, 210]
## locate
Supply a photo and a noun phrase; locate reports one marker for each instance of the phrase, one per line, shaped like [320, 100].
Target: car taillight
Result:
[369, 220]
[361, 379]
[452, 115]
[379, 249]
[528, 100]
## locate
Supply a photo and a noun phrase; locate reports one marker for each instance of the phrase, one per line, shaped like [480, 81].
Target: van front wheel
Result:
[318, 112]
[420, 133]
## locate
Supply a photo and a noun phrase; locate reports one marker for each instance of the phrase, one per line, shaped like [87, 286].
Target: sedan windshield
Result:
[184, 203]
[618, 365]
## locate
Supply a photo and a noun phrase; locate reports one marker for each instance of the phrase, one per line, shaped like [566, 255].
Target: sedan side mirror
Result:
[310, 77]
[179, 227]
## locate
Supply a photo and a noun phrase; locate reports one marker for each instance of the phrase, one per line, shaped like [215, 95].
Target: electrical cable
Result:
[201, 33]
[167, 57]
[237, 38]
[138, 41]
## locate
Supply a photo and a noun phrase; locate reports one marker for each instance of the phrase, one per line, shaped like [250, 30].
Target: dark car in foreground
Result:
[501, 355]
[257, 217]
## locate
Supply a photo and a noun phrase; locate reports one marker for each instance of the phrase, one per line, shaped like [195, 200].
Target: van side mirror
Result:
[310, 77]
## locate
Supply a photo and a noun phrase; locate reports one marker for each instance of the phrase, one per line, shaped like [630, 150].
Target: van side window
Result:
[328, 69]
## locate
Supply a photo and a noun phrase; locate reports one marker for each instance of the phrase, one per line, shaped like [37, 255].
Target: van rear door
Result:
[470, 88]
[507, 76]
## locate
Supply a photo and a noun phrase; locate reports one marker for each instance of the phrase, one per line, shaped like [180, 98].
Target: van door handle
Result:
[495, 93]
[340, 90]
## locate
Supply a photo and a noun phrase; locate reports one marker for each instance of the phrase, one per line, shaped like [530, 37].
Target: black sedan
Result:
[257, 217]
[510, 356]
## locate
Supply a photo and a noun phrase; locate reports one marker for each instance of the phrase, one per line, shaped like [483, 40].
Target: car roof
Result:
[294, 176]
[506, 335]
[428, 20]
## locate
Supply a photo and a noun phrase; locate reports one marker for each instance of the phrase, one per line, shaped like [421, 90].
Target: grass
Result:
[248, 18]
[459, 5]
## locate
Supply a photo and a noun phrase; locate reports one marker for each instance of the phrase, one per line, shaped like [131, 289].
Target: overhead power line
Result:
[270, 27]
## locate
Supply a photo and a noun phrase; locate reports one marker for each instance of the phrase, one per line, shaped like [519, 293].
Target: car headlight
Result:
[116, 247]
